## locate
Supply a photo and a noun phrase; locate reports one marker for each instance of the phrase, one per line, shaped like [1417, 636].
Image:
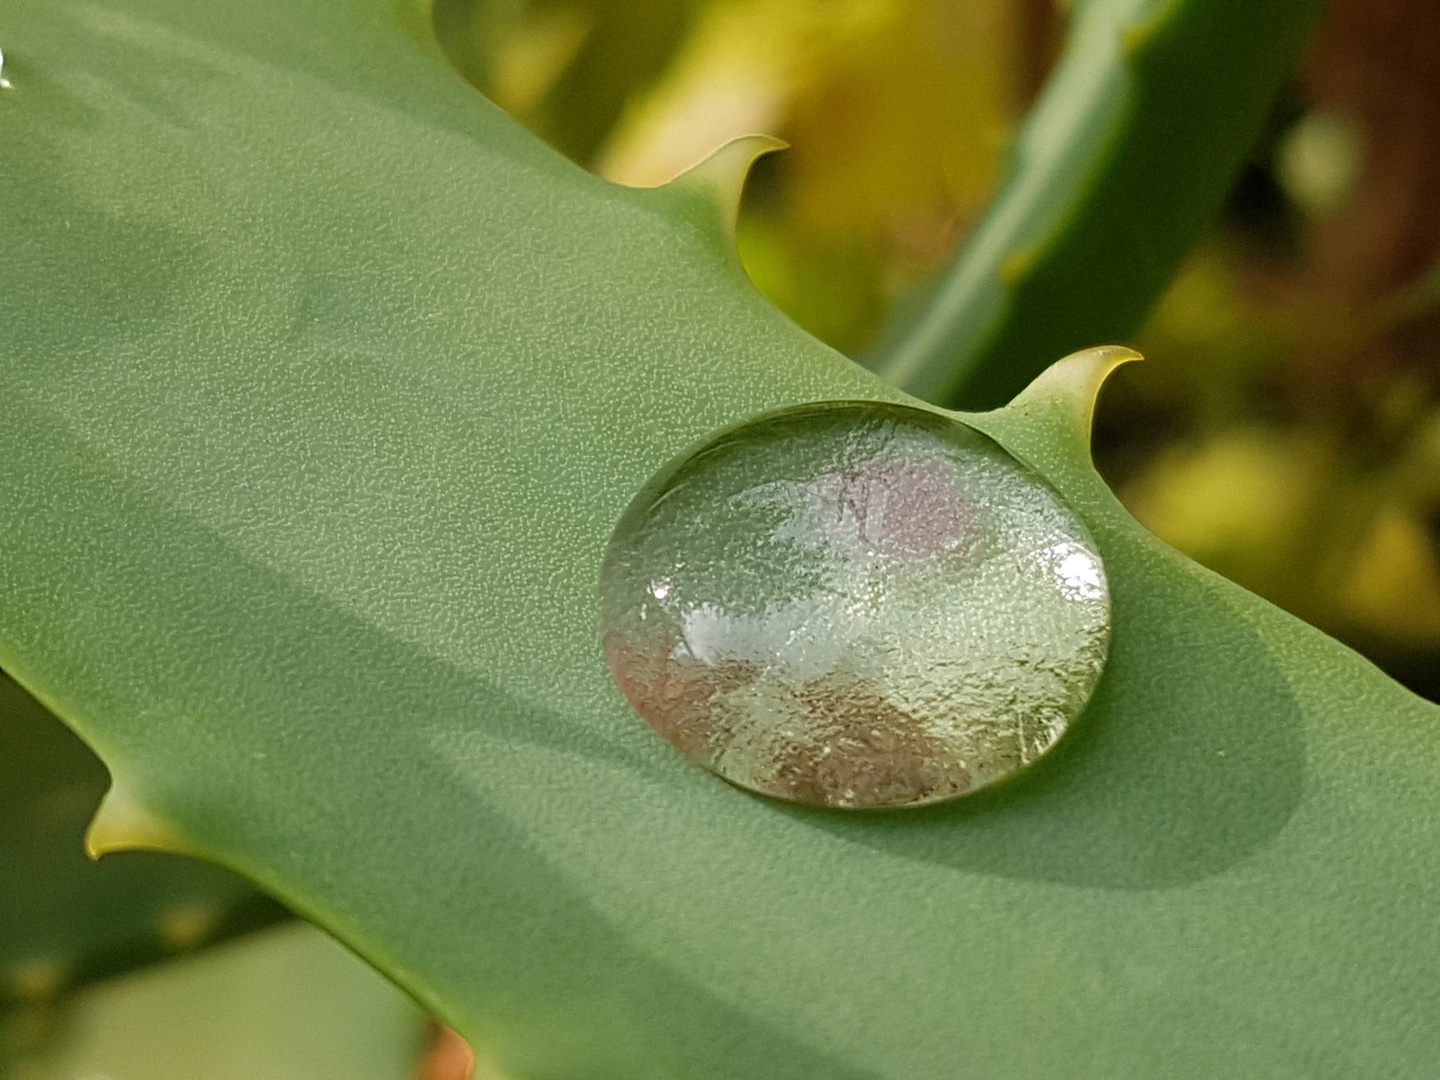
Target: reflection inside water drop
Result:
[854, 605]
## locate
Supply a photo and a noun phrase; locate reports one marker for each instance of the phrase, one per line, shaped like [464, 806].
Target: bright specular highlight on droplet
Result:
[855, 605]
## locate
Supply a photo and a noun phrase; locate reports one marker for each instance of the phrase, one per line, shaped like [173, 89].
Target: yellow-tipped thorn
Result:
[122, 824]
[1075, 381]
[722, 174]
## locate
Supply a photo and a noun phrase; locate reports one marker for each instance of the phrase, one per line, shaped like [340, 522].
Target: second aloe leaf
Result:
[1119, 170]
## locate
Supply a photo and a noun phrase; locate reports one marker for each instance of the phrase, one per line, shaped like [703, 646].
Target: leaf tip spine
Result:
[123, 824]
[1072, 385]
[722, 174]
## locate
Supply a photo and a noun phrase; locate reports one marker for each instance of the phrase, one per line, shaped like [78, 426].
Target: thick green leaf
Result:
[286, 1005]
[68, 920]
[1121, 167]
[324, 387]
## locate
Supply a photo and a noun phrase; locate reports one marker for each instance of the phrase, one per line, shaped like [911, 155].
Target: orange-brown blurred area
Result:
[449, 1057]
[1287, 429]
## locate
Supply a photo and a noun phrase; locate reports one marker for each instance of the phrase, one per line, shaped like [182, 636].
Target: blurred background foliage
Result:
[286, 1004]
[1287, 429]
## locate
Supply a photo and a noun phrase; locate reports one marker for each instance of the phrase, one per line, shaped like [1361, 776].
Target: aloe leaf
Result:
[286, 1005]
[1120, 168]
[67, 920]
[325, 386]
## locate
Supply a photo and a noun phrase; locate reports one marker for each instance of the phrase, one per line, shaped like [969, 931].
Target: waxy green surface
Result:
[324, 385]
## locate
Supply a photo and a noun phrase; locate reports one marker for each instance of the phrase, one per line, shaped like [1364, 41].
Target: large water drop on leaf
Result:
[854, 605]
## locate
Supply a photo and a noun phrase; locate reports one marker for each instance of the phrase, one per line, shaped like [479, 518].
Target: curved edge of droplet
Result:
[124, 823]
[721, 176]
[1087, 373]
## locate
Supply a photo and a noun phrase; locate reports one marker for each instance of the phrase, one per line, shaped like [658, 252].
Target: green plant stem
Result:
[1123, 164]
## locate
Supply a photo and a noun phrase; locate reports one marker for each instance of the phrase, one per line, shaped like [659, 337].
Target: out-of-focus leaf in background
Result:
[290, 1004]
[1288, 431]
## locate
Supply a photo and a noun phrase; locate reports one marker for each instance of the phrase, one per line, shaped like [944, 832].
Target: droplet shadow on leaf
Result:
[1188, 759]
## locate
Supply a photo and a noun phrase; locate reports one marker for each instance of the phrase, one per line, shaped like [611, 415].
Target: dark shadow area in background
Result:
[1189, 758]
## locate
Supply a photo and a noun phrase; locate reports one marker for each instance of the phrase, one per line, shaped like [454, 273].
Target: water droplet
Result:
[854, 605]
